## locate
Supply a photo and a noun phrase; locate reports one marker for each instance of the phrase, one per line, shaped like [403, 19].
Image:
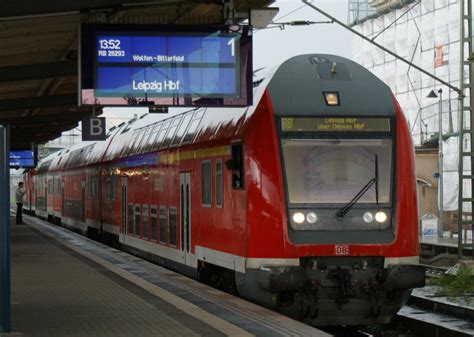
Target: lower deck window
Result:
[137, 220]
[163, 224]
[173, 225]
[145, 221]
[130, 219]
[154, 223]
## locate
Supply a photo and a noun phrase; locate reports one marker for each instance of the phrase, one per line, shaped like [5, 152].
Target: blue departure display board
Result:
[143, 65]
[22, 159]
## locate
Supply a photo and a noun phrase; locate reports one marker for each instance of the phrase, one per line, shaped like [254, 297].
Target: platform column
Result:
[5, 228]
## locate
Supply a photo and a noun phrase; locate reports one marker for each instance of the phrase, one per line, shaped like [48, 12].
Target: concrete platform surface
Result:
[64, 284]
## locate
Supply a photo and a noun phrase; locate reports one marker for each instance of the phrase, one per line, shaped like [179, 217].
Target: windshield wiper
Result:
[344, 210]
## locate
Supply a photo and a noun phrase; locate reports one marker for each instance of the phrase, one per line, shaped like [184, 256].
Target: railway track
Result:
[434, 271]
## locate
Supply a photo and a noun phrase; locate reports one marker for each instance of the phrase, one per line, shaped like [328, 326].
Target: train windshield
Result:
[333, 171]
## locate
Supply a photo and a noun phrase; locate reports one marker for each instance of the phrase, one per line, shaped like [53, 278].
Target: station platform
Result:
[64, 284]
[431, 246]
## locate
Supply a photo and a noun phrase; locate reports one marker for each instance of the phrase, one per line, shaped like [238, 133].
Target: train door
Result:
[185, 222]
[83, 200]
[124, 208]
[63, 203]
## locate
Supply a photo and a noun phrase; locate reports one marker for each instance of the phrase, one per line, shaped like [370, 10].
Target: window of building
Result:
[206, 184]
[163, 224]
[219, 183]
[137, 220]
[173, 225]
[154, 223]
[145, 221]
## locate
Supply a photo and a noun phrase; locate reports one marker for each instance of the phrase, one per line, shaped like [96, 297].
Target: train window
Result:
[111, 187]
[95, 186]
[161, 134]
[130, 219]
[329, 171]
[151, 139]
[171, 132]
[173, 225]
[107, 187]
[154, 222]
[163, 224]
[134, 145]
[206, 184]
[182, 128]
[59, 187]
[128, 144]
[137, 220]
[144, 141]
[191, 132]
[113, 191]
[145, 221]
[236, 166]
[219, 183]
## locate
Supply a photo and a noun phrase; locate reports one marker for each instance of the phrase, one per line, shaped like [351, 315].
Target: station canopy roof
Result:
[38, 54]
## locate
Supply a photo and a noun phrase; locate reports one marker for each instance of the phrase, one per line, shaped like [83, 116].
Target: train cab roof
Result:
[300, 84]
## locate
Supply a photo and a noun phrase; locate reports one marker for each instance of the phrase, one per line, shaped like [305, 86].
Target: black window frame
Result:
[219, 191]
[145, 224]
[163, 225]
[139, 214]
[154, 215]
[173, 237]
[209, 178]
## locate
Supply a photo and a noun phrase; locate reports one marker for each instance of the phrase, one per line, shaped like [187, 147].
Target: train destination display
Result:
[130, 65]
[335, 124]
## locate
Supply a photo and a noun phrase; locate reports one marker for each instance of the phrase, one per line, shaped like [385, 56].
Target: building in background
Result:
[427, 33]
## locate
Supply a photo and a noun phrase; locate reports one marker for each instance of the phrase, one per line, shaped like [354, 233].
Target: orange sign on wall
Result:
[439, 56]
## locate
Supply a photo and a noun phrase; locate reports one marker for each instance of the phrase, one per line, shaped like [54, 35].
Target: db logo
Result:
[342, 250]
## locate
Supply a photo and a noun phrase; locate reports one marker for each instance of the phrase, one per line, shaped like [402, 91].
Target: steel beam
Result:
[53, 119]
[5, 304]
[37, 102]
[38, 71]
[11, 10]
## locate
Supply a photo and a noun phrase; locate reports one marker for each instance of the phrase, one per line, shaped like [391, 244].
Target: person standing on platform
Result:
[19, 195]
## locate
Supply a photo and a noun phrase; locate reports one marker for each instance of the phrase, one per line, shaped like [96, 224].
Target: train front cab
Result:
[348, 253]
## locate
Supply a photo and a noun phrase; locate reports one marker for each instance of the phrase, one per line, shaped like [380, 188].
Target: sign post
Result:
[5, 229]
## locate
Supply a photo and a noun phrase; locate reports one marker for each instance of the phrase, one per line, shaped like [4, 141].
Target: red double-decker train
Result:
[304, 202]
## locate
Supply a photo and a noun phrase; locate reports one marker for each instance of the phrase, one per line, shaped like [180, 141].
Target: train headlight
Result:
[298, 218]
[381, 217]
[368, 217]
[311, 217]
[331, 98]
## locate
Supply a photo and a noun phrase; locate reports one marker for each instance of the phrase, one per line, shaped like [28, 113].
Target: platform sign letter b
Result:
[93, 128]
